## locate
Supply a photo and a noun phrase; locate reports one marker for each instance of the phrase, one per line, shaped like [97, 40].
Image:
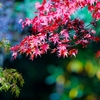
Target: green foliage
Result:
[11, 80]
[5, 45]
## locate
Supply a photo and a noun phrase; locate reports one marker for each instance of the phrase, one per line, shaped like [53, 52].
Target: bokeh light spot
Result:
[75, 66]
[98, 74]
[50, 80]
[60, 79]
[54, 96]
[73, 93]
[89, 69]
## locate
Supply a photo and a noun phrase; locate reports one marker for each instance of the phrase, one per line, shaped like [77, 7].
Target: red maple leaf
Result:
[97, 54]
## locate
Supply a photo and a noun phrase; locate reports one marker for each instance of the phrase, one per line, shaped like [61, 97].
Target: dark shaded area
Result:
[34, 74]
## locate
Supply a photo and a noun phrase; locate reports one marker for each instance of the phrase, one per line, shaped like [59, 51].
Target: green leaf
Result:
[9, 80]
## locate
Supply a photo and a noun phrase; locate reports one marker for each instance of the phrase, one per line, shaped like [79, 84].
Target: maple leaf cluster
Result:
[54, 30]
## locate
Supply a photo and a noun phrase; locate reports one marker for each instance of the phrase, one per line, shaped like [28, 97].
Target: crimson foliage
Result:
[54, 30]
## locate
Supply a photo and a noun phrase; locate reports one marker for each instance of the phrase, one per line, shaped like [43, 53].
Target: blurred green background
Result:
[49, 77]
